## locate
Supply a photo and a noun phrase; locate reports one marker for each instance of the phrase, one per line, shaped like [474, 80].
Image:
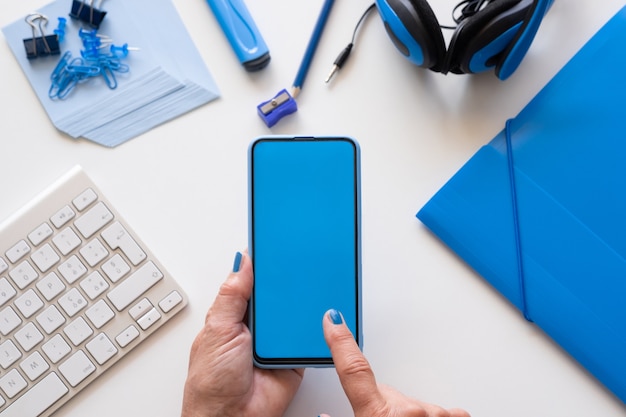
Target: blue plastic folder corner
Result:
[569, 152]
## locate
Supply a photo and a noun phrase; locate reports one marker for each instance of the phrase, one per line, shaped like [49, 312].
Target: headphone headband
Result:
[490, 34]
[517, 49]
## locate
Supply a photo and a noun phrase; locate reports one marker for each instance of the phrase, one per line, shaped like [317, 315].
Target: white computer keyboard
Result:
[78, 291]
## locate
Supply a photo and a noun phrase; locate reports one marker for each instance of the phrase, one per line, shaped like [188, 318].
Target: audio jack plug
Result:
[341, 59]
[343, 56]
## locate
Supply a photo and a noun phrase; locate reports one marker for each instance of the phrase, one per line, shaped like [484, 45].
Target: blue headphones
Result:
[496, 35]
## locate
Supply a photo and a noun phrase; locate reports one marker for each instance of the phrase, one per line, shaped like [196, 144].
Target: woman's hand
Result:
[222, 380]
[368, 399]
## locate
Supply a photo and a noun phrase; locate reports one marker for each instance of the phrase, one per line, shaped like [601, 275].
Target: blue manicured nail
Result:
[335, 316]
[237, 263]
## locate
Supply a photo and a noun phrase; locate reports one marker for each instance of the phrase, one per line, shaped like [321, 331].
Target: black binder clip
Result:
[43, 45]
[87, 13]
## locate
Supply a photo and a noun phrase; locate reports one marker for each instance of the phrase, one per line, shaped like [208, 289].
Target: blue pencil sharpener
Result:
[273, 110]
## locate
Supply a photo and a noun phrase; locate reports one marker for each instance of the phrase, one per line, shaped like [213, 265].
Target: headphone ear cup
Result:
[414, 30]
[479, 41]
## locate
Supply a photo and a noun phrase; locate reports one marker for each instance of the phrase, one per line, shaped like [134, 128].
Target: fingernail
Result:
[335, 316]
[237, 263]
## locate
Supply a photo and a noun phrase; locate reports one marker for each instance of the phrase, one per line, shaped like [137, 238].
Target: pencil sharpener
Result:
[279, 106]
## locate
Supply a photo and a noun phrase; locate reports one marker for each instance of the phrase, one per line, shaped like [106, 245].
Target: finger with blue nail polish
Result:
[367, 397]
[335, 316]
[237, 262]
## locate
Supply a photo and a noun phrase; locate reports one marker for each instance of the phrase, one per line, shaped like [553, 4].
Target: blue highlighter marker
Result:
[242, 33]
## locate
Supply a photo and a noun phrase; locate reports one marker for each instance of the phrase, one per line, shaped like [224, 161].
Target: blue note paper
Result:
[167, 76]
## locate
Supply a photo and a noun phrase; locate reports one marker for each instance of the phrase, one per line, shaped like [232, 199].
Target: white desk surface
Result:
[433, 328]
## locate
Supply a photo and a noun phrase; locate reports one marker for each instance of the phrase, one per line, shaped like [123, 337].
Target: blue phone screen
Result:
[305, 244]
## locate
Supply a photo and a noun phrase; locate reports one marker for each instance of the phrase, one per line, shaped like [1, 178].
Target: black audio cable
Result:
[467, 9]
[343, 56]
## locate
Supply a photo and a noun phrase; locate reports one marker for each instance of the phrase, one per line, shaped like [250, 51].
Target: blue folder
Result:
[569, 170]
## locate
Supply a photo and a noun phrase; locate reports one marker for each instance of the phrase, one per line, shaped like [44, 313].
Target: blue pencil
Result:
[310, 50]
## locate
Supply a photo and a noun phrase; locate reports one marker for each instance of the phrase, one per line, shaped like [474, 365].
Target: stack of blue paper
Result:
[167, 77]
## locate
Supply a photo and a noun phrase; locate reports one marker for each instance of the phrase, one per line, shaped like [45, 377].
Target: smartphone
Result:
[305, 245]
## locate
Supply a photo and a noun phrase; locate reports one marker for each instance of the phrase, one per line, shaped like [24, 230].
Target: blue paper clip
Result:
[88, 14]
[62, 80]
[92, 63]
[58, 70]
[109, 65]
[39, 46]
[67, 74]
[109, 76]
[273, 110]
[62, 87]
[82, 71]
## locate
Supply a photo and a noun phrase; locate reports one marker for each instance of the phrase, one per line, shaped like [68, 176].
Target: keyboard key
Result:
[66, 241]
[56, 349]
[132, 287]
[9, 353]
[28, 336]
[170, 301]
[94, 252]
[28, 303]
[34, 366]
[72, 269]
[23, 274]
[78, 331]
[94, 285]
[50, 319]
[50, 286]
[148, 319]
[99, 314]
[72, 302]
[117, 237]
[93, 220]
[9, 320]
[41, 233]
[3, 265]
[17, 251]
[77, 368]
[6, 291]
[115, 268]
[141, 308]
[39, 398]
[128, 335]
[12, 383]
[45, 257]
[101, 348]
[62, 216]
[84, 199]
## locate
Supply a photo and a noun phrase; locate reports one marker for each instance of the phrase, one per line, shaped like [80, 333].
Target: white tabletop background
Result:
[433, 328]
